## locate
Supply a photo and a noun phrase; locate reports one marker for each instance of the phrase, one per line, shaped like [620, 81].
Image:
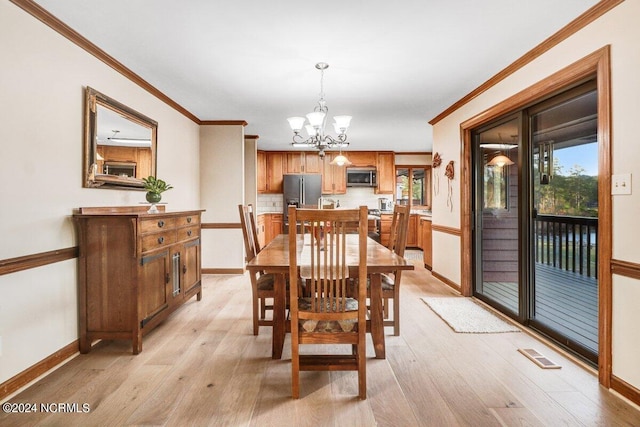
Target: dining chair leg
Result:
[362, 371]
[256, 326]
[396, 315]
[295, 366]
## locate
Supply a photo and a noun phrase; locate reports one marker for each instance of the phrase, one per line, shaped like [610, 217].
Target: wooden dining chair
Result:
[328, 315]
[391, 282]
[262, 284]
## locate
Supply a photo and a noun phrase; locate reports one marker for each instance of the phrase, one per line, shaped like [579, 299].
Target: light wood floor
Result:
[204, 367]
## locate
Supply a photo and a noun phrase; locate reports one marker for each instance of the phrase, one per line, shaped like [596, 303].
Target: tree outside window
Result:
[413, 185]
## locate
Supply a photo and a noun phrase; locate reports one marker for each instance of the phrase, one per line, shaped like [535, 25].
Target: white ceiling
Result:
[393, 65]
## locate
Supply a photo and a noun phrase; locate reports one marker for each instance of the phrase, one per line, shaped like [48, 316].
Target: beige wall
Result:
[618, 28]
[42, 80]
[221, 191]
[412, 159]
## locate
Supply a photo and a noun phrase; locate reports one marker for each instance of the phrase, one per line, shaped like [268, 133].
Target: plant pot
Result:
[153, 197]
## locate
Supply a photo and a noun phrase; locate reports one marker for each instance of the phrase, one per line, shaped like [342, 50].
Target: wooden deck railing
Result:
[567, 242]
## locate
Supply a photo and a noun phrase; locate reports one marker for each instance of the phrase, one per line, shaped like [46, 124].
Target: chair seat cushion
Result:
[265, 282]
[387, 282]
[312, 325]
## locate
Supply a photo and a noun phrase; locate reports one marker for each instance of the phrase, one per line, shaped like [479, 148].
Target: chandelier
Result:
[315, 128]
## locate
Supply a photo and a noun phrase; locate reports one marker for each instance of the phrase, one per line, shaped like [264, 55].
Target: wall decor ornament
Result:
[449, 173]
[435, 164]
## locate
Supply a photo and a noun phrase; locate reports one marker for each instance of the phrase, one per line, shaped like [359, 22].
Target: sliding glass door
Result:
[535, 217]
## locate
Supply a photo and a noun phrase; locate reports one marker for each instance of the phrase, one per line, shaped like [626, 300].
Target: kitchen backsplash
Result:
[355, 197]
[269, 203]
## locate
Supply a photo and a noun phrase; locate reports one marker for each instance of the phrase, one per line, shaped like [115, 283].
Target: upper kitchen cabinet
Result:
[271, 167]
[334, 177]
[261, 172]
[303, 162]
[362, 159]
[386, 173]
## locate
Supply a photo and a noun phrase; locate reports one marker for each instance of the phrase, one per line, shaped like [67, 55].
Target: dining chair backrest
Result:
[329, 313]
[324, 253]
[399, 229]
[248, 223]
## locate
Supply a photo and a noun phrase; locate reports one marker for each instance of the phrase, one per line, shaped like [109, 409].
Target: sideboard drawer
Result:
[187, 220]
[157, 224]
[186, 233]
[158, 240]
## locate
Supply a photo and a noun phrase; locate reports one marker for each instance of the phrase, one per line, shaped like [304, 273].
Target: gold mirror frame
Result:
[130, 156]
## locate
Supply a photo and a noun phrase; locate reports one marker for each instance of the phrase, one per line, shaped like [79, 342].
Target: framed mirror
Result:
[119, 144]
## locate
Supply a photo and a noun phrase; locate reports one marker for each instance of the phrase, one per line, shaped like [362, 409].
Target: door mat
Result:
[463, 315]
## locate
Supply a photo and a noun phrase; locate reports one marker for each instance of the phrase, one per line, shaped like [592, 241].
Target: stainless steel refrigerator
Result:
[300, 190]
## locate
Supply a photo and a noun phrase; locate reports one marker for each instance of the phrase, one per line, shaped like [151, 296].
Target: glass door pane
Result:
[565, 220]
[496, 216]
[402, 186]
[418, 187]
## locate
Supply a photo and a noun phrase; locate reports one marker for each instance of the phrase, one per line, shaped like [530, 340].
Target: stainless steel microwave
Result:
[361, 177]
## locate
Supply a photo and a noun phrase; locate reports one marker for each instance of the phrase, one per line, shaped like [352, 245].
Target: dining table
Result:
[274, 258]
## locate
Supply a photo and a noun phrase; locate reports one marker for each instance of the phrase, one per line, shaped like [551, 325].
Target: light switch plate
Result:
[621, 183]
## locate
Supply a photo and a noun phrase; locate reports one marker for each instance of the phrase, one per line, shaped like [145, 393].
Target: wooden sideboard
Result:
[134, 269]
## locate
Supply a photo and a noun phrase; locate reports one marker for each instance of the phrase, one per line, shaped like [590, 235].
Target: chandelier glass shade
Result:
[317, 120]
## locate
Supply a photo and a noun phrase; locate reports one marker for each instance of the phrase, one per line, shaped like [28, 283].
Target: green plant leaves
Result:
[155, 185]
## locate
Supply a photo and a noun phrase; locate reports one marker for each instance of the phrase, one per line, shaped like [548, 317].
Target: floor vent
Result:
[538, 358]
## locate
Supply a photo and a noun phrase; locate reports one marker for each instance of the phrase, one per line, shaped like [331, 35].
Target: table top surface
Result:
[275, 256]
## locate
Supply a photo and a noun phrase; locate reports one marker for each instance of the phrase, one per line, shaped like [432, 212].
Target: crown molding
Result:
[63, 29]
[564, 33]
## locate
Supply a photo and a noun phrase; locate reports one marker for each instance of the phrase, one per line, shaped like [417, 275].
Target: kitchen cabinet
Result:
[425, 229]
[274, 223]
[362, 159]
[260, 229]
[134, 269]
[334, 177]
[303, 162]
[412, 231]
[275, 170]
[386, 173]
[271, 166]
[385, 228]
[261, 172]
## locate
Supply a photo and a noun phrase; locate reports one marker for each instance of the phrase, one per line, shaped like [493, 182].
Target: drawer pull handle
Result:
[189, 233]
[160, 240]
[189, 220]
[161, 223]
[184, 268]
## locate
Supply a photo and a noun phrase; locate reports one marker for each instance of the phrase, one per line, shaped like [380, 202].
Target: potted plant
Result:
[155, 187]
